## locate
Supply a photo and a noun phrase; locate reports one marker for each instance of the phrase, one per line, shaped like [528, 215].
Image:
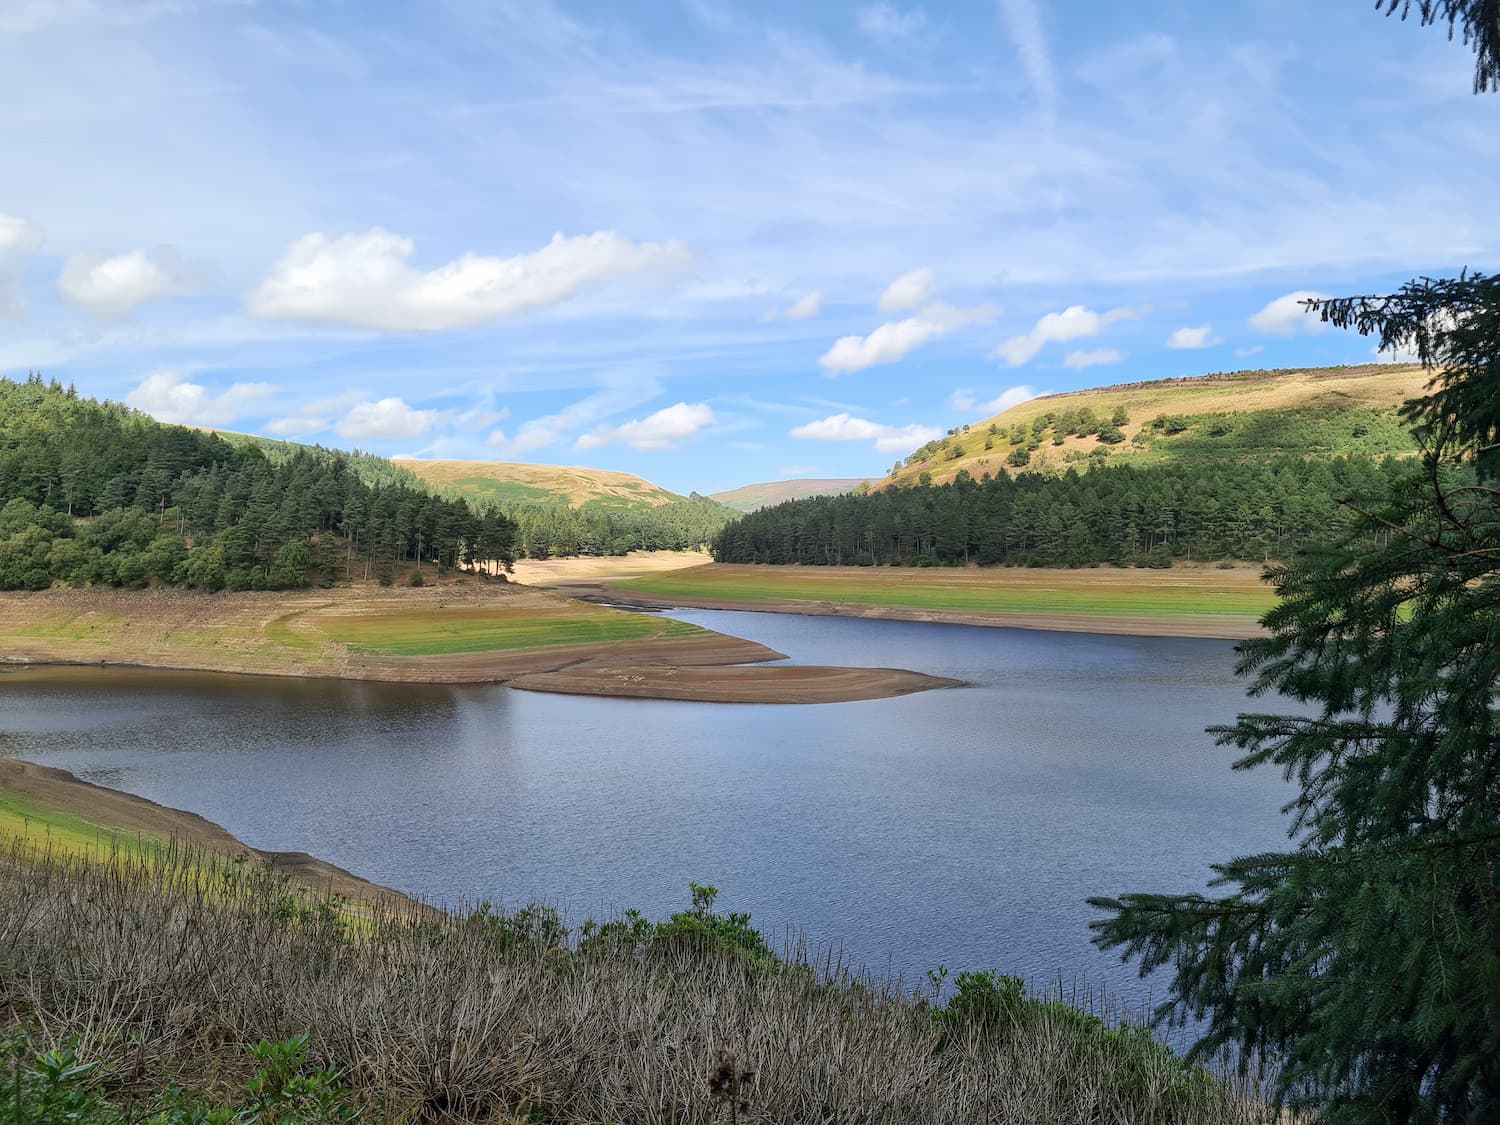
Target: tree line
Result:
[95, 492]
[1128, 515]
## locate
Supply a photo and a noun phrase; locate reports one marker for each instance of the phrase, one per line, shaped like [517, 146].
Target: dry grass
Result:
[169, 967]
[1372, 386]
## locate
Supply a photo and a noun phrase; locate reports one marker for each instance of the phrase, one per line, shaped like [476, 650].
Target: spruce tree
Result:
[1366, 960]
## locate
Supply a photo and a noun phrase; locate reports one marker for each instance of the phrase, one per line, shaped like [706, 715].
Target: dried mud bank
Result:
[296, 634]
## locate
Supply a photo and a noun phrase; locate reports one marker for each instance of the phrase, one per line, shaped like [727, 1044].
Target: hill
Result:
[508, 483]
[1242, 415]
[752, 497]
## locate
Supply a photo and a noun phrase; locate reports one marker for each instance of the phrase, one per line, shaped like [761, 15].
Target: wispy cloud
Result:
[909, 291]
[1023, 23]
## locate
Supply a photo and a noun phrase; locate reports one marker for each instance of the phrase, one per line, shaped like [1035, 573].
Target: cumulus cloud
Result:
[1098, 357]
[1188, 339]
[909, 291]
[365, 280]
[895, 340]
[168, 397]
[1285, 315]
[314, 416]
[965, 401]
[1074, 323]
[663, 430]
[114, 286]
[846, 427]
[389, 418]
[803, 308]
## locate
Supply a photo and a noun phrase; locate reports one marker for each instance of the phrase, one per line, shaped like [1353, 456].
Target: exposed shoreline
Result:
[277, 634]
[120, 815]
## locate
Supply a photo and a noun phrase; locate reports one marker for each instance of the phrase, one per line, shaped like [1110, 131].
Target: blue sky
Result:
[708, 242]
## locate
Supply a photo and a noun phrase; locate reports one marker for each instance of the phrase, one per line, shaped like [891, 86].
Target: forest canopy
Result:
[94, 492]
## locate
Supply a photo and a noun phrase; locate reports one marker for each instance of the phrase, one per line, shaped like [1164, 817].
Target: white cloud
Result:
[113, 286]
[1024, 24]
[909, 291]
[1187, 339]
[17, 236]
[314, 416]
[168, 397]
[803, 308]
[364, 280]
[1245, 353]
[1074, 323]
[386, 419]
[1285, 315]
[1098, 357]
[894, 340]
[1398, 354]
[888, 25]
[799, 470]
[550, 429]
[659, 431]
[966, 401]
[845, 427]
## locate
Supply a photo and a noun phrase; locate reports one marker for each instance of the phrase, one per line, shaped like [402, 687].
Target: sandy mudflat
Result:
[113, 812]
[783, 683]
[279, 634]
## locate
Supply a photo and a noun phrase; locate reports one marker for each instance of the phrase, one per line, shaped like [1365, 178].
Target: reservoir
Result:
[961, 827]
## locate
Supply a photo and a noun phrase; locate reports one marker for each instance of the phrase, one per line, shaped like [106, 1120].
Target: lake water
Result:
[962, 827]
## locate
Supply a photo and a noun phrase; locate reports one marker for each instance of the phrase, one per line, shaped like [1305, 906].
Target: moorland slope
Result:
[1240, 415]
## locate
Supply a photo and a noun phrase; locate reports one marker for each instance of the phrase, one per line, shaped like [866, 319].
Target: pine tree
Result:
[1367, 959]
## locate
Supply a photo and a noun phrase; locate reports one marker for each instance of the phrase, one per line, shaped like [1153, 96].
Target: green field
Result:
[1095, 592]
[443, 631]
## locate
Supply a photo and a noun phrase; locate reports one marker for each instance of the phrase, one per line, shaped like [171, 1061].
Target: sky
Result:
[708, 242]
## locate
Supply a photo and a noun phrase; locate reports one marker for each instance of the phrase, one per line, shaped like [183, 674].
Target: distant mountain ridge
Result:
[752, 497]
[510, 482]
[1242, 415]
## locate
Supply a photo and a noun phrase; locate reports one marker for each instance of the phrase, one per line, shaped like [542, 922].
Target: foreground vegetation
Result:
[1237, 595]
[1367, 955]
[197, 989]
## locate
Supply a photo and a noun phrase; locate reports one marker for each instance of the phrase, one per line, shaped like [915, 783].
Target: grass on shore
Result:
[36, 828]
[442, 630]
[162, 973]
[1171, 594]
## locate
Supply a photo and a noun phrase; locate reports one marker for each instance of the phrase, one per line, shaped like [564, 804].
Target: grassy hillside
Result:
[1242, 415]
[752, 497]
[511, 483]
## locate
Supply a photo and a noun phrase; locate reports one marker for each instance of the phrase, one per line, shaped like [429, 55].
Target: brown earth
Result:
[274, 634]
[59, 791]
